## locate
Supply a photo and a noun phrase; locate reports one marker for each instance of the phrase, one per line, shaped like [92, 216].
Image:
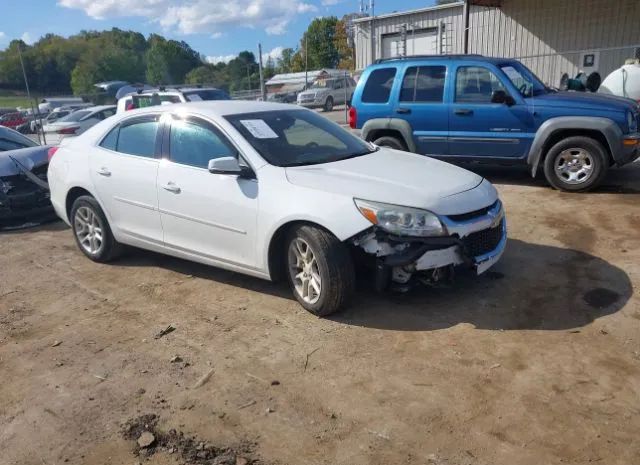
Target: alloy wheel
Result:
[574, 166]
[304, 271]
[88, 228]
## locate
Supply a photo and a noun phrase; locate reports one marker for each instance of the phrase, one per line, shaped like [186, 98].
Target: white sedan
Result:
[77, 122]
[272, 190]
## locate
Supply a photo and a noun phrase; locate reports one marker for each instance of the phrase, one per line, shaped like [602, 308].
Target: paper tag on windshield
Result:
[194, 98]
[259, 129]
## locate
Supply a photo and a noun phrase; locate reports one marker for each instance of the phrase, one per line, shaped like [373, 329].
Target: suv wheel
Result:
[320, 270]
[92, 232]
[328, 104]
[391, 142]
[576, 164]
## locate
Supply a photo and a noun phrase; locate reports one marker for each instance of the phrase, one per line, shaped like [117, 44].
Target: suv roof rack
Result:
[444, 57]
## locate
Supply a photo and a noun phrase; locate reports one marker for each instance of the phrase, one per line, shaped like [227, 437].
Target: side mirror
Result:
[225, 165]
[500, 96]
[230, 166]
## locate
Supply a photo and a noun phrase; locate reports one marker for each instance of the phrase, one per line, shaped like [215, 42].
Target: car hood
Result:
[400, 178]
[313, 92]
[30, 157]
[584, 100]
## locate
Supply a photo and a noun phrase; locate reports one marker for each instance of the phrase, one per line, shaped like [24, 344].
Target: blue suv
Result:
[470, 108]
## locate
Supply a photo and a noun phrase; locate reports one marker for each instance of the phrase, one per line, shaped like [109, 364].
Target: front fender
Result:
[606, 126]
[392, 124]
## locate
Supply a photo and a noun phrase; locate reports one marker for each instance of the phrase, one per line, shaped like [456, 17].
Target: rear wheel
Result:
[328, 104]
[320, 270]
[391, 142]
[576, 164]
[92, 232]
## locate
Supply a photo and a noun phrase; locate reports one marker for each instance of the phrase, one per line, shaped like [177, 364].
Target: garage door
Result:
[419, 43]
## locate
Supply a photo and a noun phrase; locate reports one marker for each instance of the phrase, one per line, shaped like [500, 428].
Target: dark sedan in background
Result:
[24, 192]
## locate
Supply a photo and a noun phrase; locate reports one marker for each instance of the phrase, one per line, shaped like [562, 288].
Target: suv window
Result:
[134, 138]
[475, 84]
[378, 86]
[195, 144]
[423, 84]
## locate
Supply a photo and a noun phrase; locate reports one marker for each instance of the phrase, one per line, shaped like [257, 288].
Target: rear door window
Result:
[137, 137]
[423, 84]
[378, 86]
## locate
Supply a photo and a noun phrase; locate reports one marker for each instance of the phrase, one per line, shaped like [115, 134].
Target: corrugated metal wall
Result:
[549, 36]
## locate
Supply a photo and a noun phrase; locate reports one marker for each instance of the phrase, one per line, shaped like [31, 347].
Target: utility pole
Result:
[26, 83]
[306, 60]
[465, 13]
[373, 31]
[263, 93]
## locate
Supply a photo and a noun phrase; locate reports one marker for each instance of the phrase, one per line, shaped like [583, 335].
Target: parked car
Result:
[48, 104]
[325, 93]
[56, 114]
[162, 95]
[13, 120]
[494, 110]
[77, 122]
[272, 190]
[24, 193]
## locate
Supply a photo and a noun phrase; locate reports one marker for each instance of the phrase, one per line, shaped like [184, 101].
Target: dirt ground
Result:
[537, 362]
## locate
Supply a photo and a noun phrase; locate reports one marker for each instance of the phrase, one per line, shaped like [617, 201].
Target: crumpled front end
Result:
[22, 199]
[474, 240]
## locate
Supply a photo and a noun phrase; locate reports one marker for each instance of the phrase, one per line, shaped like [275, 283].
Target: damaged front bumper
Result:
[22, 200]
[475, 240]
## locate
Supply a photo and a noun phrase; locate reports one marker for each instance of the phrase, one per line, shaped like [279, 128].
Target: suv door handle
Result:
[104, 172]
[403, 111]
[171, 187]
[463, 111]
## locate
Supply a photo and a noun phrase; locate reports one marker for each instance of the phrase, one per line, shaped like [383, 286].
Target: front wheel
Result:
[576, 164]
[320, 270]
[328, 104]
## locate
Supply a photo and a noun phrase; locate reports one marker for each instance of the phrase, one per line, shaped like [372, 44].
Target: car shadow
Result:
[624, 180]
[47, 223]
[533, 287]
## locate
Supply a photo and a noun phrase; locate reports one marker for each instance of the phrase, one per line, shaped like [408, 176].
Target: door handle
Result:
[463, 111]
[403, 111]
[104, 172]
[171, 187]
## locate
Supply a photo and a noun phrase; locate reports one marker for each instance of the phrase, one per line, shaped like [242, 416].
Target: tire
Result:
[85, 213]
[391, 142]
[576, 164]
[328, 104]
[329, 261]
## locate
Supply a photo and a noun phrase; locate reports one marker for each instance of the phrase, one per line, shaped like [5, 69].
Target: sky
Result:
[218, 29]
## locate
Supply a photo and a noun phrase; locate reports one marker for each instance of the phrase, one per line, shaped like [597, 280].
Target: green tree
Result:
[104, 64]
[318, 42]
[208, 74]
[285, 62]
[341, 43]
[169, 61]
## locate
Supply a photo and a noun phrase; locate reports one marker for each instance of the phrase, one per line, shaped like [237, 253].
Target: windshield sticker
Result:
[259, 129]
[195, 98]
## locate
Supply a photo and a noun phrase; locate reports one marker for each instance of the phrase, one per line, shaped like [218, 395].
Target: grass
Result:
[14, 101]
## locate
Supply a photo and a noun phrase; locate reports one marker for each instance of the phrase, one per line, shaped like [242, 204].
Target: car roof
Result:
[426, 58]
[217, 107]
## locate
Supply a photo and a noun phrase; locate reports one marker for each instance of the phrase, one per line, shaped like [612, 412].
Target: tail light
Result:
[51, 152]
[68, 130]
[353, 117]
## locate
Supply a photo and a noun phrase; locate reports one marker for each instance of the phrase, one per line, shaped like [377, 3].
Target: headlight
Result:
[632, 122]
[402, 221]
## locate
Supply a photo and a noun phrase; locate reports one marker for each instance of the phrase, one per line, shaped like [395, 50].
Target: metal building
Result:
[551, 37]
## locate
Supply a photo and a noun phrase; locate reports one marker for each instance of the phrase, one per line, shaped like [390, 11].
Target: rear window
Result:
[10, 140]
[206, 94]
[75, 116]
[423, 84]
[378, 86]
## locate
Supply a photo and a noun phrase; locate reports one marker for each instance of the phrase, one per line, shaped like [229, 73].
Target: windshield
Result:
[298, 137]
[75, 116]
[206, 94]
[322, 84]
[10, 140]
[527, 83]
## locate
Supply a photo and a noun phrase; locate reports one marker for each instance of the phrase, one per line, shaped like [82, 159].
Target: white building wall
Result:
[549, 36]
